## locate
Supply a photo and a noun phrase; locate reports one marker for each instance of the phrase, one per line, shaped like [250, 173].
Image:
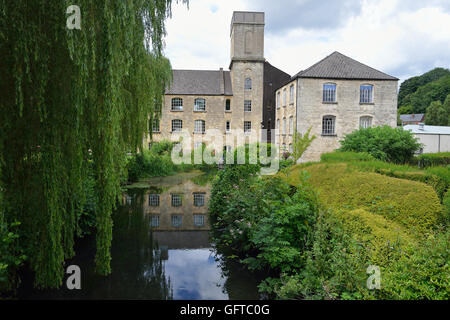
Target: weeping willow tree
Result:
[69, 98]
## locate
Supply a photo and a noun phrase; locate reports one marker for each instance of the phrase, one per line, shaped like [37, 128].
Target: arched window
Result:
[366, 93]
[200, 126]
[177, 104]
[248, 84]
[200, 105]
[177, 125]
[329, 92]
[329, 125]
[365, 122]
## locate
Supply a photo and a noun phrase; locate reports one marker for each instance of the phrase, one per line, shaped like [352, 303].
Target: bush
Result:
[411, 204]
[383, 143]
[433, 159]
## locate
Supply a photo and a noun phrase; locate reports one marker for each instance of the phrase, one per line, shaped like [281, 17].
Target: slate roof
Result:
[412, 117]
[339, 66]
[201, 82]
[427, 129]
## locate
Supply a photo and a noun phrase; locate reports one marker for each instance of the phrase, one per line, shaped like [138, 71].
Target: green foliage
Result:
[340, 156]
[383, 143]
[434, 91]
[421, 273]
[301, 143]
[410, 86]
[434, 159]
[437, 114]
[66, 95]
[264, 221]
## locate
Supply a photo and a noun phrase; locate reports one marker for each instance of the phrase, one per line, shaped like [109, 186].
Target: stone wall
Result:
[348, 110]
[286, 110]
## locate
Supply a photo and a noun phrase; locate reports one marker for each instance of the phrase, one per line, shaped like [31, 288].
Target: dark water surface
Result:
[160, 250]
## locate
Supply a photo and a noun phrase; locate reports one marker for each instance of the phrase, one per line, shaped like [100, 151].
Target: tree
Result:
[301, 143]
[71, 98]
[434, 113]
[433, 91]
[447, 110]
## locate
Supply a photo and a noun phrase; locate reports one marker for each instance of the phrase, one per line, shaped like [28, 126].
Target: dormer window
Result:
[329, 93]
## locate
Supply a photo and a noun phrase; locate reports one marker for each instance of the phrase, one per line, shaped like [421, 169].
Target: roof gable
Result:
[339, 66]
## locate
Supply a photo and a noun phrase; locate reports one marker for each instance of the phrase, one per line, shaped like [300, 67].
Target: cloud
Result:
[306, 14]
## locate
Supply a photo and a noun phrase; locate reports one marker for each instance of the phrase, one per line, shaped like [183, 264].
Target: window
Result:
[199, 220]
[366, 93]
[247, 105]
[365, 122]
[228, 126]
[329, 92]
[129, 200]
[248, 84]
[284, 126]
[328, 125]
[155, 125]
[176, 200]
[291, 94]
[291, 125]
[228, 105]
[177, 125]
[278, 99]
[228, 148]
[154, 221]
[153, 200]
[199, 199]
[198, 145]
[177, 104]
[200, 105]
[177, 221]
[247, 126]
[284, 98]
[199, 126]
[278, 124]
[291, 149]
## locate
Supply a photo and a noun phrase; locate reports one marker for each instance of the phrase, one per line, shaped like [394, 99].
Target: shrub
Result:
[411, 204]
[384, 143]
[433, 159]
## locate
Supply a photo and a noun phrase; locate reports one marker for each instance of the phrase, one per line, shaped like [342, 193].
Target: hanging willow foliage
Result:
[68, 97]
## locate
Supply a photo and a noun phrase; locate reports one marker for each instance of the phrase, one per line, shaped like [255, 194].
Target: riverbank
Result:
[334, 219]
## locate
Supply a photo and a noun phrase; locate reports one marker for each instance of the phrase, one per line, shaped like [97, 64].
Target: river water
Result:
[160, 250]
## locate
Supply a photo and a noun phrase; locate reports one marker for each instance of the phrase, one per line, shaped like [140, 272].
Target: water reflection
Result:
[160, 250]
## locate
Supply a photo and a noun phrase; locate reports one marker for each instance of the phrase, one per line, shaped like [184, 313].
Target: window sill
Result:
[324, 102]
[367, 103]
[176, 110]
[199, 132]
[329, 135]
[227, 111]
[199, 111]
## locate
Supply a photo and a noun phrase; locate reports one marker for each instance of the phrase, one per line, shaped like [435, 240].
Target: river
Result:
[160, 250]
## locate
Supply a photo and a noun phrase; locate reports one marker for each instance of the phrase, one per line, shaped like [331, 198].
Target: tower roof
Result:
[339, 66]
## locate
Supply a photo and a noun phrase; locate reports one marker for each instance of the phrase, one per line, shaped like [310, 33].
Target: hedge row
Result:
[433, 159]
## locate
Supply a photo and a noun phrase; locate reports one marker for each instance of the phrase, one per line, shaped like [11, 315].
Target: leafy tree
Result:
[433, 91]
[69, 98]
[447, 110]
[301, 143]
[384, 143]
[438, 114]
[411, 85]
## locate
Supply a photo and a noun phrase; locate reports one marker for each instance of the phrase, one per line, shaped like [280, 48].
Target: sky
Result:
[403, 38]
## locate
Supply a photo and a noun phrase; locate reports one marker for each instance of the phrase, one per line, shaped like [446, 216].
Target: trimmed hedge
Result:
[433, 159]
[341, 156]
[411, 204]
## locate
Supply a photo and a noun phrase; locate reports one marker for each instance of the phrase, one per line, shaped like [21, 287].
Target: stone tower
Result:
[247, 62]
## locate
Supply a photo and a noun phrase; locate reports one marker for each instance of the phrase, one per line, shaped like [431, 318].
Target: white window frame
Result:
[284, 97]
[199, 220]
[176, 200]
[176, 220]
[153, 200]
[278, 99]
[329, 125]
[366, 93]
[329, 93]
[365, 122]
[284, 126]
[248, 84]
[177, 125]
[247, 105]
[199, 199]
[177, 104]
[291, 125]
[199, 126]
[247, 126]
[154, 221]
[200, 105]
[291, 94]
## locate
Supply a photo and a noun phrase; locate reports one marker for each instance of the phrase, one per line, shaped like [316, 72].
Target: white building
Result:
[434, 139]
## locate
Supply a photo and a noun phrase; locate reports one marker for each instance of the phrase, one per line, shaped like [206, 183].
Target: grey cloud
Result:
[307, 14]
